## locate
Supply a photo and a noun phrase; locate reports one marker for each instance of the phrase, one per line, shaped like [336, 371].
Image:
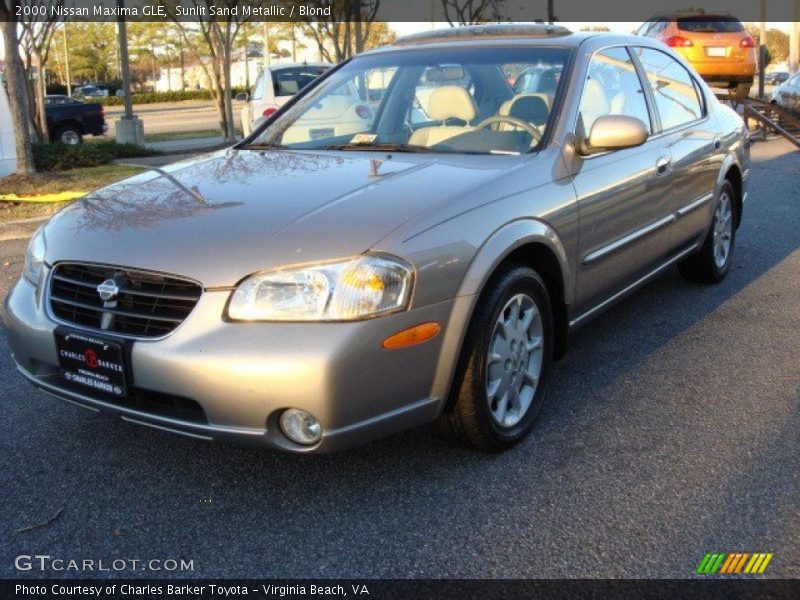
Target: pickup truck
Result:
[68, 120]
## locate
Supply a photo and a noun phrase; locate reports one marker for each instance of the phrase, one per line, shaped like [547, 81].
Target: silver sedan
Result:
[314, 287]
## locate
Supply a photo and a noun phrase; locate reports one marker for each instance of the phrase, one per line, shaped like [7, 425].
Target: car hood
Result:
[221, 217]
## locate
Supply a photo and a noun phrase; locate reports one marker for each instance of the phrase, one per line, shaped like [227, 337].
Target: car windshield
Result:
[463, 100]
[710, 24]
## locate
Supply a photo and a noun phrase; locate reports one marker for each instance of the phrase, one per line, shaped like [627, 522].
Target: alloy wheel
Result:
[514, 361]
[723, 230]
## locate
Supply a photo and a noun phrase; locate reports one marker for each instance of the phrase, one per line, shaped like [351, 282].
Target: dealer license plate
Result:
[321, 134]
[90, 362]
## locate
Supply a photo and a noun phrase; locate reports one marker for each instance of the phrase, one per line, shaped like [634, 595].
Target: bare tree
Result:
[346, 30]
[214, 53]
[17, 94]
[469, 12]
[37, 37]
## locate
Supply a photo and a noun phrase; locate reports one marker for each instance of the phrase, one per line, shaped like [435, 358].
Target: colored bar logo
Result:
[733, 563]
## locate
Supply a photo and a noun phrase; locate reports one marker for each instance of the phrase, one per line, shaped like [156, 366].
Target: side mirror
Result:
[242, 97]
[613, 132]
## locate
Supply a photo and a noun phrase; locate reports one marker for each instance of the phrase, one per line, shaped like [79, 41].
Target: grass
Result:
[75, 180]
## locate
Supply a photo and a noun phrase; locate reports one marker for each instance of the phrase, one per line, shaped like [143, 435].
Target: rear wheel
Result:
[500, 387]
[713, 261]
[70, 135]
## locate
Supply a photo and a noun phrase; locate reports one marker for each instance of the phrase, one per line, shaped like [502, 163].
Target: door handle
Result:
[717, 143]
[662, 165]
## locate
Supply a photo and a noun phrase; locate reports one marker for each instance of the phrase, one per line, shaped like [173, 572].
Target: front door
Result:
[623, 196]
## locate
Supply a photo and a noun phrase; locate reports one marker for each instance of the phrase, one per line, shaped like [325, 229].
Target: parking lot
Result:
[671, 431]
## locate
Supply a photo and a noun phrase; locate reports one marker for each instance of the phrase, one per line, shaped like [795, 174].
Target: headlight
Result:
[361, 287]
[34, 257]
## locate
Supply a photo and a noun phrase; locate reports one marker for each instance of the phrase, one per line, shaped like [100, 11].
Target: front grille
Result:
[148, 305]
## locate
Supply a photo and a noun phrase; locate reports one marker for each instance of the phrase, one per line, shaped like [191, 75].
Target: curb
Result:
[20, 229]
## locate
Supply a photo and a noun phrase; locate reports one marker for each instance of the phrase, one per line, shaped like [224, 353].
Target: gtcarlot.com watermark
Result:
[46, 562]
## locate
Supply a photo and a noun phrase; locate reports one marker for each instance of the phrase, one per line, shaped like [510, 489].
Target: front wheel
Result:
[713, 261]
[502, 377]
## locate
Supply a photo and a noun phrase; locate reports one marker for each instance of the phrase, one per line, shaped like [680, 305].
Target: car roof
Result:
[492, 35]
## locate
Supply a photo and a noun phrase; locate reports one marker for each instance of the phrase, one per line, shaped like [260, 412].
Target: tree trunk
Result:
[183, 70]
[41, 90]
[230, 135]
[17, 99]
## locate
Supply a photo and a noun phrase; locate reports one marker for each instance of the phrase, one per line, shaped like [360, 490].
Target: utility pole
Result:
[66, 61]
[762, 48]
[358, 31]
[129, 128]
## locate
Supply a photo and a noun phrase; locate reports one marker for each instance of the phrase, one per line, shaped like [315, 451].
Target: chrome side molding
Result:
[578, 321]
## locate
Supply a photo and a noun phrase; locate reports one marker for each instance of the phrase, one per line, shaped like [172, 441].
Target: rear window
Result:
[290, 81]
[710, 24]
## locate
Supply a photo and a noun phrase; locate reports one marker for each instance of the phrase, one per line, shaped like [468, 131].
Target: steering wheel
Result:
[513, 121]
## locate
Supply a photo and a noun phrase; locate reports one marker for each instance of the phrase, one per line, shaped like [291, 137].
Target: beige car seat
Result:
[446, 102]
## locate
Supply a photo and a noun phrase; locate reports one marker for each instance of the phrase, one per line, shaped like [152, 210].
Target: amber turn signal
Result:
[412, 336]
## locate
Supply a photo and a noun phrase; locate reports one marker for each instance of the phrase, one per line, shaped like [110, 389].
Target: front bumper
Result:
[244, 375]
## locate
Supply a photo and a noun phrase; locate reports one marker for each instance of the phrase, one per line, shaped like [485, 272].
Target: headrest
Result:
[451, 102]
[530, 108]
[594, 97]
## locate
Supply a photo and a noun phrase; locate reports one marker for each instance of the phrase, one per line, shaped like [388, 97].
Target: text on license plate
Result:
[89, 362]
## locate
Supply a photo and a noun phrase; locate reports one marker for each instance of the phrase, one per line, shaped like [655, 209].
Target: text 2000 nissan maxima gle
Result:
[309, 290]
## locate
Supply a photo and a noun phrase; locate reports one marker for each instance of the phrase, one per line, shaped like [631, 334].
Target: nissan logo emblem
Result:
[108, 290]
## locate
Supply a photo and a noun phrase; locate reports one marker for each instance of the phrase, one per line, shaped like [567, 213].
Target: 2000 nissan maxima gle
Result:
[320, 285]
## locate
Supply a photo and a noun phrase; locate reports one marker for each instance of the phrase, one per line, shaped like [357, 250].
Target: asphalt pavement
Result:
[671, 430]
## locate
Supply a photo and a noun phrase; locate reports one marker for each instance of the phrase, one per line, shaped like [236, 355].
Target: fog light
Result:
[300, 427]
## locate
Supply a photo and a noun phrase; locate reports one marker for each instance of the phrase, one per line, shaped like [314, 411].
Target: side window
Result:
[287, 82]
[674, 89]
[612, 87]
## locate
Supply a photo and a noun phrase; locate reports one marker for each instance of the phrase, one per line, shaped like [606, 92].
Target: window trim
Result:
[695, 84]
[655, 123]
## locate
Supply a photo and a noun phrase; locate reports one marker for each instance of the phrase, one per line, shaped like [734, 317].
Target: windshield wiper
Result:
[380, 147]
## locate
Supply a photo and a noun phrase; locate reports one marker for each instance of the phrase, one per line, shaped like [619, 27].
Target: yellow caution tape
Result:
[59, 197]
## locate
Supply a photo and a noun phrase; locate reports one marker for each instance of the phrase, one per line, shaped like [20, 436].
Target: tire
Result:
[481, 422]
[707, 265]
[741, 91]
[70, 135]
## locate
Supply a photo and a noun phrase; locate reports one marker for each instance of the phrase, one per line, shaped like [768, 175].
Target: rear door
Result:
[692, 138]
[624, 216]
